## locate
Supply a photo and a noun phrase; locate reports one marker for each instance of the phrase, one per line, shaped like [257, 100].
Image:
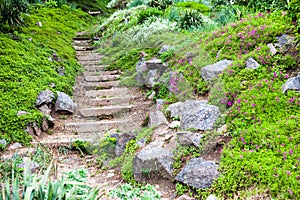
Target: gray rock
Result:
[152, 162]
[187, 138]
[64, 104]
[21, 112]
[29, 129]
[36, 129]
[272, 49]
[27, 162]
[175, 109]
[150, 72]
[122, 141]
[189, 56]
[198, 173]
[61, 71]
[45, 109]
[211, 197]
[174, 124]
[285, 43]
[185, 197]
[3, 142]
[44, 97]
[39, 24]
[14, 146]
[211, 71]
[141, 142]
[252, 64]
[292, 84]
[156, 118]
[201, 117]
[164, 48]
[45, 125]
[152, 95]
[160, 103]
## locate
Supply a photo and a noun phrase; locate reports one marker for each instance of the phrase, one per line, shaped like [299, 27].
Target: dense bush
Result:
[10, 12]
[194, 5]
[190, 19]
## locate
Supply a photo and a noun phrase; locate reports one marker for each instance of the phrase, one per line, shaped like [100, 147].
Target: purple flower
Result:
[291, 151]
[288, 173]
[286, 76]
[241, 156]
[229, 103]
[291, 192]
[292, 100]
[253, 105]
[238, 101]
[275, 75]
[238, 108]
[297, 177]
[284, 157]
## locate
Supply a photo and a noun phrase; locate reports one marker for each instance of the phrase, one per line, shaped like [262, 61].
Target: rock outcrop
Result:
[198, 173]
[292, 84]
[252, 64]
[211, 71]
[64, 104]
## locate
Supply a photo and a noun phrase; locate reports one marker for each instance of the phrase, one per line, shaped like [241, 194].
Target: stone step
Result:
[86, 53]
[113, 92]
[100, 73]
[95, 126]
[89, 62]
[104, 101]
[82, 43]
[95, 68]
[96, 57]
[105, 111]
[100, 85]
[101, 78]
[82, 48]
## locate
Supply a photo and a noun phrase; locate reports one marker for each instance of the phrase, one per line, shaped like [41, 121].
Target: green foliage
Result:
[26, 69]
[160, 4]
[190, 19]
[10, 12]
[294, 13]
[127, 192]
[126, 159]
[81, 146]
[30, 186]
[149, 12]
[194, 5]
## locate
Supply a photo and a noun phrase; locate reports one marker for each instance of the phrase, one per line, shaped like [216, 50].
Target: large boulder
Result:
[285, 43]
[195, 114]
[211, 71]
[252, 64]
[44, 97]
[201, 117]
[198, 173]
[157, 118]
[152, 162]
[292, 84]
[64, 104]
[150, 72]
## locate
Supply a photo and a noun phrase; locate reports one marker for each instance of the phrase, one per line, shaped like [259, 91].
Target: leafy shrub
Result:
[127, 191]
[10, 12]
[160, 4]
[294, 12]
[194, 5]
[135, 3]
[149, 12]
[190, 19]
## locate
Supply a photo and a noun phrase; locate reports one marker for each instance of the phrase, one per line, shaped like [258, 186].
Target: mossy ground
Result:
[26, 69]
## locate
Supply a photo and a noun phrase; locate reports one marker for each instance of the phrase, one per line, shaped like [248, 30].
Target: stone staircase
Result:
[103, 106]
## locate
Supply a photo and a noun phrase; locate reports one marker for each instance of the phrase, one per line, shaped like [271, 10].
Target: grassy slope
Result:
[25, 68]
[264, 123]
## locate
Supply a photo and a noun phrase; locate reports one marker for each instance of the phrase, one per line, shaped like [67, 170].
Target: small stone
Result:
[164, 48]
[174, 124]
[285, 43]
[141, 142]
[187, 138]
[252, 64]
[157, 118]
[292, 84]
[45, 109]
[45, 125]
[21, 112]
[52, 85]
[111, 171]
[189, 56]
[39, 24]
[50, 59]
[36, 129]
[222, 129]
[110, 175]
[122, 141]
[209, 72]
[14, 146]
[152, 95]
[29, 129]
[159, 104]
[3, 142]
[185, 197]
[30, 39]
[211, 197]
[64, 104]
[32, 164]
[44, 97]
[272, 49]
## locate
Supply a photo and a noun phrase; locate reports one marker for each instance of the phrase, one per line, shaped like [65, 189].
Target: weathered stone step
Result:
[86, 53]
[83, 48]
[95, 126]
[101, 78]
[104, 101]
[84, 43]
[105, 111]
[100, 73]
[100, 85]
[94, 68]
[89, 62]
[113, 92]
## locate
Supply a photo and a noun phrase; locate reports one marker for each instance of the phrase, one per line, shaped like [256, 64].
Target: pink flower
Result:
[286, 76]
[253, 105]
[291, 192]
[291, 151]
[241, 156]
[275, 75]
[288, 173]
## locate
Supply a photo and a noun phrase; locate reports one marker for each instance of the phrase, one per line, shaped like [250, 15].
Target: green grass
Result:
[25, 68]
